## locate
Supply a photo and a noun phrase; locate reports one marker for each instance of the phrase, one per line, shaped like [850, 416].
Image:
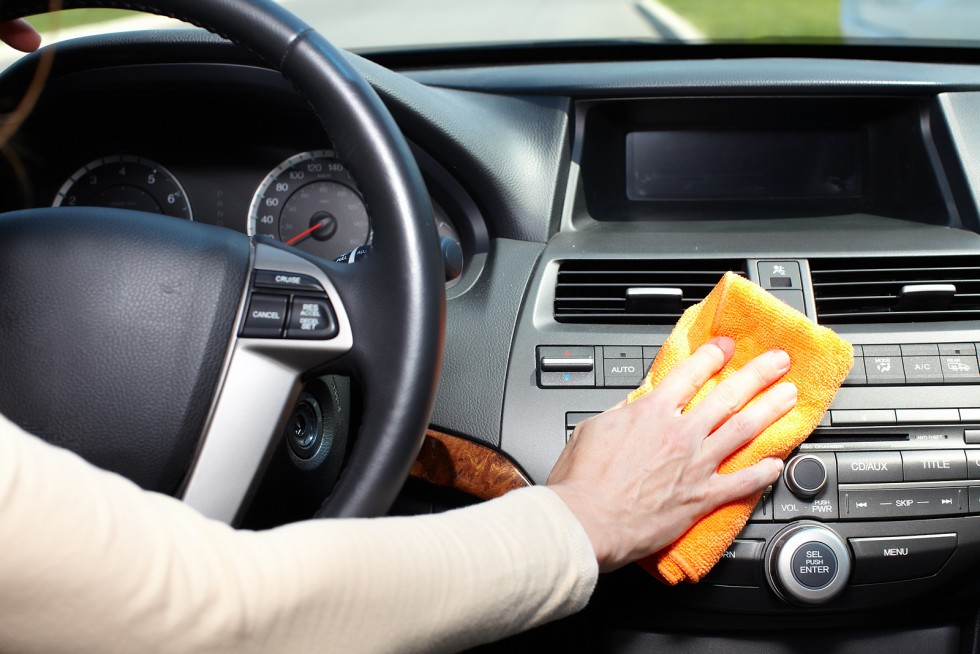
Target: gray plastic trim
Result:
[260, 384]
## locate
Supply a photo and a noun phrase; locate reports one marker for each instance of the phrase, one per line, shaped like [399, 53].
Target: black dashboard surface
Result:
[505, 148]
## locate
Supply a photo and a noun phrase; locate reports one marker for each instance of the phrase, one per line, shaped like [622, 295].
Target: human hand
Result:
[641, 474]
[20, 35]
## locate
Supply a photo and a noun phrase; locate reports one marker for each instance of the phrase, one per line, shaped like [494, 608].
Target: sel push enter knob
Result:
[808, 564]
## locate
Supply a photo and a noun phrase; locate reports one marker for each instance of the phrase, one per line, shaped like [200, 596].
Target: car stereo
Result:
[880, 503]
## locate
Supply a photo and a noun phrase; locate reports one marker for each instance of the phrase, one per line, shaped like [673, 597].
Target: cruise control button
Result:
[272, 279]
[934, 465]
[311, 318]
[265, 317]
[898, 558]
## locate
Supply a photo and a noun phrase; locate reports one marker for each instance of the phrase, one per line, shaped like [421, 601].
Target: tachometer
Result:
[312, 202]
[125, 182]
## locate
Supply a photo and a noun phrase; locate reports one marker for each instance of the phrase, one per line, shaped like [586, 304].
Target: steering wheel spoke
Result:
[292, 323]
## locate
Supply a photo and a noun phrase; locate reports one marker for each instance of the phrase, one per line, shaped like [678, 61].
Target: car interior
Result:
[582, 197]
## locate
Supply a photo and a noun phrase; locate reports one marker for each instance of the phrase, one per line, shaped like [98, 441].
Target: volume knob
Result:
[805, 476]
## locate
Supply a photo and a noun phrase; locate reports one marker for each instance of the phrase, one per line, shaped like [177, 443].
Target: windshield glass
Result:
[384, 25]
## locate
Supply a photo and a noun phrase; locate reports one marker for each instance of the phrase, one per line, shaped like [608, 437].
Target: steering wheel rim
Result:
[393, 299]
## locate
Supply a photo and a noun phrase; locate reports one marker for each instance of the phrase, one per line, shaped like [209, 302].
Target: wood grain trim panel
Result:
[453, 462]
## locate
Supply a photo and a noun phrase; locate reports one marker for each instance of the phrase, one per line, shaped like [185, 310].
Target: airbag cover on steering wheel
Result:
[757, 322]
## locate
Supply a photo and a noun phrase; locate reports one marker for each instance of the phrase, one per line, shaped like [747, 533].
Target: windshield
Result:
[385, 25]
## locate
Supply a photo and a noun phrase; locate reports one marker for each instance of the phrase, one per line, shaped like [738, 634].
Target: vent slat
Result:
[846, 293]
[595, 291]
[910, 270]
[899, 282]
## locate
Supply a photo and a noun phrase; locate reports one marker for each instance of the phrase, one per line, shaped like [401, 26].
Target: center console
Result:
[847, 210]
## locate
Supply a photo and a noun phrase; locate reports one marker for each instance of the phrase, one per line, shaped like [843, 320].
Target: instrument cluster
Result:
[310, 200]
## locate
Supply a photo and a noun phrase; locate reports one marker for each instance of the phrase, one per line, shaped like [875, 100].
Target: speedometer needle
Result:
[299, 237]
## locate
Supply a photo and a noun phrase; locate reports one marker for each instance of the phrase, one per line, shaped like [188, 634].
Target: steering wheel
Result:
[172, 352]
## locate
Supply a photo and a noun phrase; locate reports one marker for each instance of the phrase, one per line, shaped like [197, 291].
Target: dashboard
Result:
[591, 202]
[144, 152]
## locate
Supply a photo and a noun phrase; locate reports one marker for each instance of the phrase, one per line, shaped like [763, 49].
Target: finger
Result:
[618, 405]
[749, 423]
[19, 34]
[735, 392]
[744, 482]
[688, 376]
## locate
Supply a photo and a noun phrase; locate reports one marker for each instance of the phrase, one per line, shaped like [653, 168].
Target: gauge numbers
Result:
[125, 182]
[310, 201]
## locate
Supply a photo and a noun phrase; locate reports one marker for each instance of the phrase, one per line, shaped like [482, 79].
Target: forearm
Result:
[91, 562]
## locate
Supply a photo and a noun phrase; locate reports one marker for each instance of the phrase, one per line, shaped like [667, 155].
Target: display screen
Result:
[743, 165]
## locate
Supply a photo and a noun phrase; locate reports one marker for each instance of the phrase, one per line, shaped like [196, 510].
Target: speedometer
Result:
[311, 201]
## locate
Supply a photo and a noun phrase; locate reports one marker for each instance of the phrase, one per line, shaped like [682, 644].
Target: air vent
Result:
[645, 292]
[896, 289]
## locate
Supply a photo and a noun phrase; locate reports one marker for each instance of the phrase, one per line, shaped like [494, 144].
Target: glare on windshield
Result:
[373, 25]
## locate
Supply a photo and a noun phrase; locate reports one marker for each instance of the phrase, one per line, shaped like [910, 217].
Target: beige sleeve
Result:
[90, 562]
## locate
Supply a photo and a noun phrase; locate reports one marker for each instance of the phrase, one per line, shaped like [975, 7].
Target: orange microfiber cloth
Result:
[757, 322]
